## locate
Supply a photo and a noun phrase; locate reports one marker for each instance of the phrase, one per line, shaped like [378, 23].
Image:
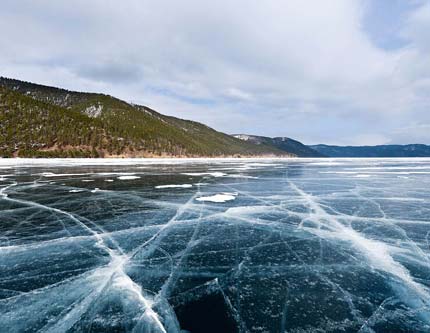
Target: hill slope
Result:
[37, 120]
[413, 150]
[282, 143]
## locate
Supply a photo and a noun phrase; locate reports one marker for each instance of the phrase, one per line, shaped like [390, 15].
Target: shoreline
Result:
[23, 161]
[17, 162]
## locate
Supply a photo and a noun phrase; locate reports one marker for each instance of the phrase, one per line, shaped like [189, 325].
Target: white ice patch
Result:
[241, 176]
[243, 211]
[128, 177]
[7, 175]
[87, 180]
[109, 180]
[221, 197]
[75, 191]
[213, 174]
[175, 186]
[51, 174]
[362, 176]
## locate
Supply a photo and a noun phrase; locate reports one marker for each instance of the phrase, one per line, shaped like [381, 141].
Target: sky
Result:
[353, 72]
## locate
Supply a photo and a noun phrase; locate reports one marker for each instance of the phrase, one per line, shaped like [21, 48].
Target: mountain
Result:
[282, 143]
[413, 150]
[42, 121]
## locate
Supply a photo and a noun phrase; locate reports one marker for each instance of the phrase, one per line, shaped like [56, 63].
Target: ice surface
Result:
[213, 174]
[220, 197]
[282, 245]
[175, 186]
[128, 177]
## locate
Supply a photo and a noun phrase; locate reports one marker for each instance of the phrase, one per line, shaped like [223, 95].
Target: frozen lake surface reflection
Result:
[298, 245]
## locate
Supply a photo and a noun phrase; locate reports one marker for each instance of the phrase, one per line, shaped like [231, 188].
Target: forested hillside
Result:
[411, 150]
[41, 121]
[282, 143]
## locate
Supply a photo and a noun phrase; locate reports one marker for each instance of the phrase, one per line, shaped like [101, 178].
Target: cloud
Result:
[417, 28]
[367, 139]
[108, 71]
[414, 132]
[238, 94]
[304, 69]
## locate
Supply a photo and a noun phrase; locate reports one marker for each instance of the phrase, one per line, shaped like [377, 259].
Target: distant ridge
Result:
[281, 143]
[411, 150]
[43, 121]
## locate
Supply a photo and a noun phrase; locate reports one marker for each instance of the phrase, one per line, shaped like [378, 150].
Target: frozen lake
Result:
[297, 245]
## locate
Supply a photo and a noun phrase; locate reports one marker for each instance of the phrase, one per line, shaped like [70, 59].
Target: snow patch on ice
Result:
[174, 186]
[128, 177]
[220, 197]
[76, 191]
[241, 176]
[51, 174]
[213, 174]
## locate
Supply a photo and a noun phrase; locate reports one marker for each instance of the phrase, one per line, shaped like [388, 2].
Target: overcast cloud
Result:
[335, 71]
